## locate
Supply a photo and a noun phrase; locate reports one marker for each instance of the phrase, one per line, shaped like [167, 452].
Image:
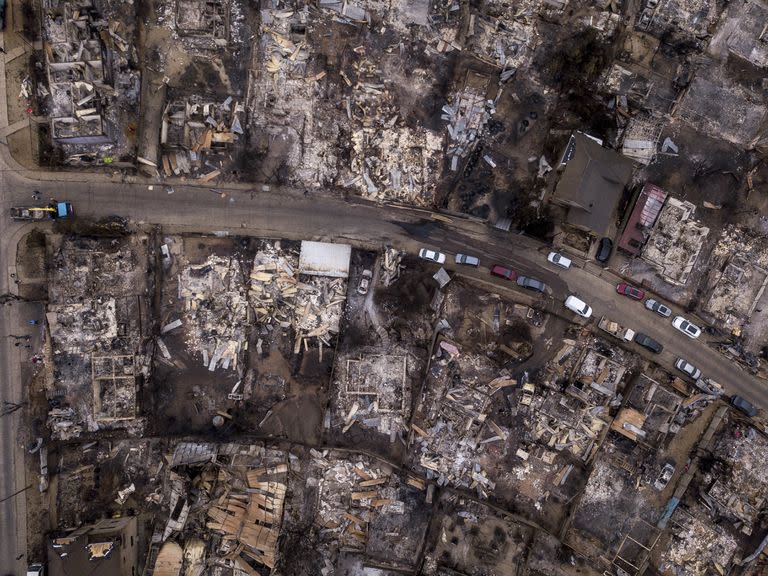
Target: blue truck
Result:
[52, 211]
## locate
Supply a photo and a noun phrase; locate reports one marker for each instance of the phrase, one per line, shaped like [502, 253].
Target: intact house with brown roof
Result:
[592, 183]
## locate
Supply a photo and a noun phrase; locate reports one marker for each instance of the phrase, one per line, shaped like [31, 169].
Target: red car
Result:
[631, 291]
[502, 272]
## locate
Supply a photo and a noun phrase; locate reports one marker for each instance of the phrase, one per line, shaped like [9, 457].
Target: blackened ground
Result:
[410, 295]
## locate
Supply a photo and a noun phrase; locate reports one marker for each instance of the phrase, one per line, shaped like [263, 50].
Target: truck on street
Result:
[51, 211]
[616, 329]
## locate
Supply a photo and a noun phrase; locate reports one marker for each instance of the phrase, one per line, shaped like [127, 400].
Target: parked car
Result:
[686, 327]
[604, 250]
[658, 307]
[629, 290]
[503, 272]
[467, 260]
[666, 475]
[432, 255]
[559, 260]
[365, 282]
[744, 405]
[531, 283]
[685, 366]
[35, 570]
[581, 308]
[647, 342]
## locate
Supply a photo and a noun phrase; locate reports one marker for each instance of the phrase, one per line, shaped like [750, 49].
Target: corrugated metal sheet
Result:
[325, 259]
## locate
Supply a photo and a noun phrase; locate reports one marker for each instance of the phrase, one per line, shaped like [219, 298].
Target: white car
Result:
[432, 255]
[685, 366]
[686, 327]
[579, 306]
[365, 282]
[559, 260]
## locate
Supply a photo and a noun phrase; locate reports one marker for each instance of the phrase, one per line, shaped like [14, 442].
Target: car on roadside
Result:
[432, 255]
[365, 282]
[531, 283]
[574, 304]
[503, 272]
[744, 405]
[35, 570]
[647, 342]
[666, 475]
[686, 327]
[467, 260]
[658, 307]
[630, 291]
[604, 249]
[559, 260]
[684, 366]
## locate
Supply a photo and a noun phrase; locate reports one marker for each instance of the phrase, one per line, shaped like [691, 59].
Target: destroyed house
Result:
[75, 74]
[641, 220]
[592, 183]
[106, 548]
[195, 129]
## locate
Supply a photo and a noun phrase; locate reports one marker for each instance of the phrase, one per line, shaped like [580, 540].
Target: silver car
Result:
[467, 260]
[531, 284]
[658, 307]
[685, 366]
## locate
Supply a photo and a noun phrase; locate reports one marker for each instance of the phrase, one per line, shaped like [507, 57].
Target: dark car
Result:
[629, 290]
[647, 342]
[741, 404]
[604, 250]
[503, 272]
[531, 283]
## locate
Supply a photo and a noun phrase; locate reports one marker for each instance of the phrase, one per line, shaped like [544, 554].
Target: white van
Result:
[579, 306]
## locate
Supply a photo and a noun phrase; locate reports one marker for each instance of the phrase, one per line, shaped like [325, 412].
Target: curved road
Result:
[283, 213]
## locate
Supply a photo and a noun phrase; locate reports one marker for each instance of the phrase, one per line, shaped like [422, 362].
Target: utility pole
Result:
[16, 493]
[10, 407]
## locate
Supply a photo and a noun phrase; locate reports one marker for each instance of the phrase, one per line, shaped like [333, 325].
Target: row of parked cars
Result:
[578, 306]
[685, 326]
[496, 270]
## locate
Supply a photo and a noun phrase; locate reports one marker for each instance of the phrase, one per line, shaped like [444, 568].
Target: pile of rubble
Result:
[390, 265]
[699, 546]
[564, 422]
[216, 310]
[353, 493]
[89, 325]
[374, 390]
[738, 490]
[453, 420]
[93, 89]
[318, 311]
[273, 287]
[675, 242]
[228, 500]
[504, 42]
[287, 101]
[194, 129]
[467, 117]
[96, 291]
[390, 161]
[284, 55]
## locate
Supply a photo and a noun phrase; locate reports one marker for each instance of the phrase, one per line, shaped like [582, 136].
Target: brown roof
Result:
[592, 183]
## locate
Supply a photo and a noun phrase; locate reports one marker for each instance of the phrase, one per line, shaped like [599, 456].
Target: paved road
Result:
[286, 214]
